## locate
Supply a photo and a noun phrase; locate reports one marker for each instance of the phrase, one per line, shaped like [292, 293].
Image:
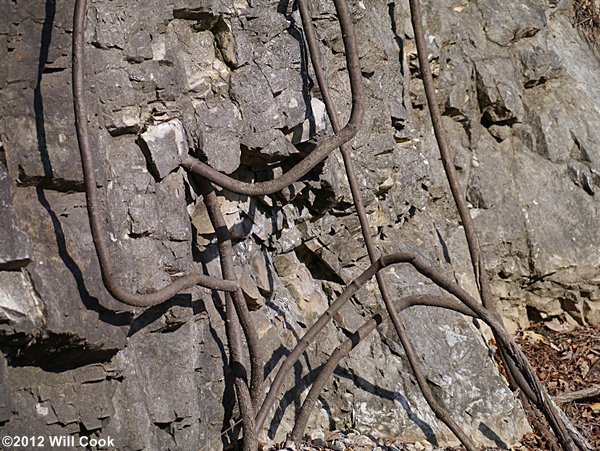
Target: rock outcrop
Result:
[230, 82]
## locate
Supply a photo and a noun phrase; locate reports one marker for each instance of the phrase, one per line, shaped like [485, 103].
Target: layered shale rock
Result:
[230, 83]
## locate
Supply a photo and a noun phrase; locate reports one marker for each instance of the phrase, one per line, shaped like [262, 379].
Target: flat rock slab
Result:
[15, 249]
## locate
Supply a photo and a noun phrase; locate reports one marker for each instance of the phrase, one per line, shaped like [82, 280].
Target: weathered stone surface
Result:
[64, 273]
[218, 134]
[253, 297]
[183, 8]
[261, 273]
[5, 397]
[315, 123]
[279, 60]
[166, 145]
[499, 91]
[505, 23]
[20, 309]
[14, 244]
[456, 339]
[232, 84]
[265, 23]
[538, 63]
[39, 136]
[191, 407]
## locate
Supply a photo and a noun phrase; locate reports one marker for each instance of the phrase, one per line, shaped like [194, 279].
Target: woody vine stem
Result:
[245, 349]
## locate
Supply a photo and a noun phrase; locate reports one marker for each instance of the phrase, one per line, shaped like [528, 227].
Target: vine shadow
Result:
[105, 314]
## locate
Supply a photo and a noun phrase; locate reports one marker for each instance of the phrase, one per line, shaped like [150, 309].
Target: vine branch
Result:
[244, 344]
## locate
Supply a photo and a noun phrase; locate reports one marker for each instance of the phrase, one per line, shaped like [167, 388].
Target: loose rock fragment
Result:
[165, 144]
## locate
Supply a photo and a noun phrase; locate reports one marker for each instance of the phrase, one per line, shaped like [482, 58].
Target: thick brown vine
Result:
[246, 360]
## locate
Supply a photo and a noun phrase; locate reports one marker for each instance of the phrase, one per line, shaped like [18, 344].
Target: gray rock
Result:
[5, 398]
[250, 290]
[277, 148]
[232, 83]
[249, 88]
[64, 268]
[265, 23]
[218, 134]
[48, 129]
[506, 23]
[539, 64]
[498, 91]
[316, 123]
[14, 244]
[165, 145]
[261, 273]
[292, 105]
[183, 9]
[20, 310]
[279, 60]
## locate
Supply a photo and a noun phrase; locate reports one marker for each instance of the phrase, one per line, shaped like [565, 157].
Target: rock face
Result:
[230, 83]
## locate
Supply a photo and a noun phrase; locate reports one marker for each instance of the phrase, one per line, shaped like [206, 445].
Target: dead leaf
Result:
[534, 337]
[558, 327]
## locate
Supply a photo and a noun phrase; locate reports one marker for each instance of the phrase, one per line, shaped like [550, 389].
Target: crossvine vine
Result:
[255, 399]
